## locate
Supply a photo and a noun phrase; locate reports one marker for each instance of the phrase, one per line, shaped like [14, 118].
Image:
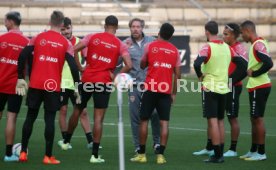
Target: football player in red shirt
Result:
[11, 44]
[104, 50]
[50, 49]
[67, 85]
[162, 58]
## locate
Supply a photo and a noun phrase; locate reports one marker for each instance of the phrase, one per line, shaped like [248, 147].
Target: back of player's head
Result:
[166, 31]
[57, 18]
[234, 28]
[66, 22]
[212, 27]
[142, 22]
[14, 16]
[248, 25]
[111, 20]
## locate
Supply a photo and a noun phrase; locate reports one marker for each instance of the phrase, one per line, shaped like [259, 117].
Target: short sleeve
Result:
[204, 51]
[123, 49]
[86, 39]
[261, 48]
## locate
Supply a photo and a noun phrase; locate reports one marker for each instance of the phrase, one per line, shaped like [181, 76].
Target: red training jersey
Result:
[50, 48]
[11, 45]
[103, 52]
[162, 58]
[240, 51]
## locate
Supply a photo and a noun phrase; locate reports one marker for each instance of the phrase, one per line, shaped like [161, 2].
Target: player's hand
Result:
[21, 87]
[78, 97]
[112, 76]
[201, 78]
[173, 98]
[249, 73]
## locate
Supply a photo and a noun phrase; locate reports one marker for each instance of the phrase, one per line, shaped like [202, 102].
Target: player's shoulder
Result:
[149, 38]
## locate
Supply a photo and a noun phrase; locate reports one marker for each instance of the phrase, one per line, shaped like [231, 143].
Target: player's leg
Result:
[101, 100]
[208, 150]
[74, 118]
[254, 145]
[34, 100]
[163, 108]
[148, 103]
[14, 104]
[220, 111]
[134, 100]
[64, 97]
[155, 129]
[261, 96]
[51, 106]
[211, 109]
[85, 123]
[232, 110]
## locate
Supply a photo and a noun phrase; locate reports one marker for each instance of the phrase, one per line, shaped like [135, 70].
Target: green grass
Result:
[187, 134]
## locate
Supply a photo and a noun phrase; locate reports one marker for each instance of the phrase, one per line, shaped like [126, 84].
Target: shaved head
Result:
[248, 25]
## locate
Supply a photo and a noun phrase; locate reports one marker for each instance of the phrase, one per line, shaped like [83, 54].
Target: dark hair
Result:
[111, 20]
[66, 22]
[248, 24]
[212, 27]
[14, 16]
[142, 22]
[57, 18]
[166, 31]
[233, 27]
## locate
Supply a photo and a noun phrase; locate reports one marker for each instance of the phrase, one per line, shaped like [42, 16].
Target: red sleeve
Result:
[84, 52]
[145, 54]
[86, 39]
[205, 51]
[32, 41]
[233, 53]
[261, 48]
[123, 49]
[70, 48]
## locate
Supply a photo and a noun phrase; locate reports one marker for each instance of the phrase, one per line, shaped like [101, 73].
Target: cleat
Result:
[65, 146]
[160, 159]
[12, 158]
[213, 159]
[141, 158]
[50, 160]
[136, 150]
[248, 155]
[156, 148]
[256, 157]
[204, 152]
[230, 153]
[23, 157]
[60, 142]
[96, 160]
[90, 146]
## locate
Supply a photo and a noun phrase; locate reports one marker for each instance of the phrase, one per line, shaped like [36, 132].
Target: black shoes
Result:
[213, 159]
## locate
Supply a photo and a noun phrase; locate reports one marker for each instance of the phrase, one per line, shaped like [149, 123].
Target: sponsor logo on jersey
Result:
[8, 61]
[162, 64]
[101, 58]
[48, 59]
[4, 44]
[97, 41]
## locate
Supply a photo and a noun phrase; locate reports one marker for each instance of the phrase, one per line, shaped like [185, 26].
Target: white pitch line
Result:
[173, 128]
[174, 105]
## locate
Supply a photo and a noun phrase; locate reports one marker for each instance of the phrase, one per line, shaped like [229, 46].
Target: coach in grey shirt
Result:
[136, 43]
